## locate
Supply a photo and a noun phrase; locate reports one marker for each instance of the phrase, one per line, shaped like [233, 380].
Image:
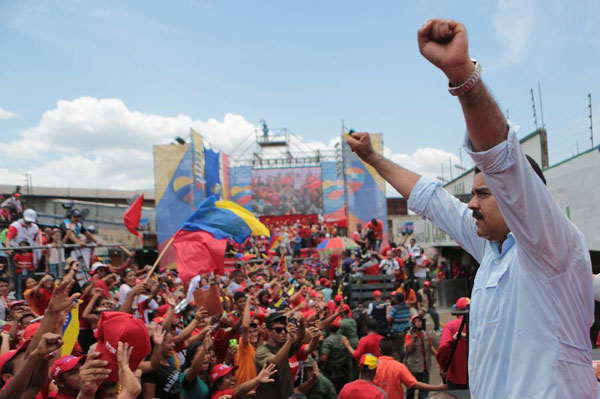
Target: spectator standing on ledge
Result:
[75, 233]
[532, 257]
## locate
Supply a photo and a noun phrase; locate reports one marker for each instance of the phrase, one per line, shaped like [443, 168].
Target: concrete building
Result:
[102, 209]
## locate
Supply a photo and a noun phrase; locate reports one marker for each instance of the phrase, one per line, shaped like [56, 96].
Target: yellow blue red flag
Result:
[70, 331]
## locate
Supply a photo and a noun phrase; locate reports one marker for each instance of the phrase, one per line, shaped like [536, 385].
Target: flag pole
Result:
[160, 256]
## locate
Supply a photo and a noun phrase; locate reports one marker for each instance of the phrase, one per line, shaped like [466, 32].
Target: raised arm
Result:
[403, 180]
[444, 43]
[545, 236]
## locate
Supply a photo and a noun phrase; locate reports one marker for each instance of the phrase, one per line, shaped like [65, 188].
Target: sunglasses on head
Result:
[253, 325]
[279, 330]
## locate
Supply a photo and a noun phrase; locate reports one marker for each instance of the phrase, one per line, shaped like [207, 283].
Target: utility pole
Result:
[541, 107]
[533, 107]
[591, 124]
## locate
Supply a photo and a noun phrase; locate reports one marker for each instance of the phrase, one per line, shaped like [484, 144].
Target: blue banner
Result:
[365, 189]
[240, 181]
[212, 173]
[333, 192]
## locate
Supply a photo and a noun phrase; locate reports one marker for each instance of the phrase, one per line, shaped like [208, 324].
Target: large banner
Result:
[212, 172]
[288, 191]
[240, 178]
[365, 189]
[333, 193]
[174, 191]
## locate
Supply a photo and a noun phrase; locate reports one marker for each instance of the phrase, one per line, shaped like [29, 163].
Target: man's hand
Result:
[49, 343]
[444, 43]
[60, 300]
[130, 382]
[265, 374]
[345, 340]
[360, 143]
[158, 336]
[292, 331]
[92, 374]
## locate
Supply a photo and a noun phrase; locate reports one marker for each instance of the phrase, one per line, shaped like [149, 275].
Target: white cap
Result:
[97, 266]
[30, 215]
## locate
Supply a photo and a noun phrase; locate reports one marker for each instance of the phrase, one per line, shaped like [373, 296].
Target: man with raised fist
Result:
[532, 301]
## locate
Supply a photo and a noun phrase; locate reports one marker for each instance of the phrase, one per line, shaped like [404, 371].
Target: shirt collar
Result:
[506, 245]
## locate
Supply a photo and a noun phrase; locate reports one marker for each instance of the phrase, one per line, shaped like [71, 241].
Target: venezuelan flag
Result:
[70, 331]
[200, 243]
[225, 219]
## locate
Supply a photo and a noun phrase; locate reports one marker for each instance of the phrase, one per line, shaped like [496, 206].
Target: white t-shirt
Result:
[597, 287]
[389, 266]
[123, 291]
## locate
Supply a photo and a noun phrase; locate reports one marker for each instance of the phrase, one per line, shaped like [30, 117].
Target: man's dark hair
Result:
[386, 347]
[534, 165]
[3, 280]
[374, 222]
[372, 325]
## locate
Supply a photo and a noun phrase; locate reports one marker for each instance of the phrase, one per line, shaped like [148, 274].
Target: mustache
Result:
[477, 215]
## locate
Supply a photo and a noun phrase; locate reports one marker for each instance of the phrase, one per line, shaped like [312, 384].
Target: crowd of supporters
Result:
[286, 328]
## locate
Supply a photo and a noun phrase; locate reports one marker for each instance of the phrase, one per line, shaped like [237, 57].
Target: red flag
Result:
[132, 216]
[198, 252]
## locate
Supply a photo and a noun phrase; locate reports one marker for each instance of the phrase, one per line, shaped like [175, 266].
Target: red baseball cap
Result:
[7, 357]
[338, 298]
[220, 371]
[415, 316]
[64, 364]
[115, 327]
[30, 330]
[15, 303]
[427, 284]
[336, 323]
[462, 303]
[376, 293]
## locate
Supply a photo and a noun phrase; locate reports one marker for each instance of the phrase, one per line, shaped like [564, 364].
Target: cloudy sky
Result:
[86, 88]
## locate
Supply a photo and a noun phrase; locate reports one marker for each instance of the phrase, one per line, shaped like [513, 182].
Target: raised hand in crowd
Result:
[91, 375]
[131, 386]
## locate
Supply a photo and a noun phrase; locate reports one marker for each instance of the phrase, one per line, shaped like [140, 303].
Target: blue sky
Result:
[88, 87]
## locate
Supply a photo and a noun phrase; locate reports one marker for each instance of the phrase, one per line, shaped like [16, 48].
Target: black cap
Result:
[238, 294]
[75, 213]
[273, 317]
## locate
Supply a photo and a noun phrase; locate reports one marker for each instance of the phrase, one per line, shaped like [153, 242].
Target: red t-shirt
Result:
[42, 299]
[368, 344]
[378, 230]
[361, 389]
[296, 359]
[457, 373]
[224, 392]
[24, 262]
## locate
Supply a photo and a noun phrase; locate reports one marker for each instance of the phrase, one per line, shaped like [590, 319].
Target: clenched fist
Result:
[444, 43]
[360, 143]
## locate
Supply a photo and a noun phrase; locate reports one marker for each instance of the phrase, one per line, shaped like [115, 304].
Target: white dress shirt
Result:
[532, 304]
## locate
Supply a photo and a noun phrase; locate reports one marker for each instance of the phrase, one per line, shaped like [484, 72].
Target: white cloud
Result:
[91, 142]
[425, 161]
[513, 24]
[4, 114]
